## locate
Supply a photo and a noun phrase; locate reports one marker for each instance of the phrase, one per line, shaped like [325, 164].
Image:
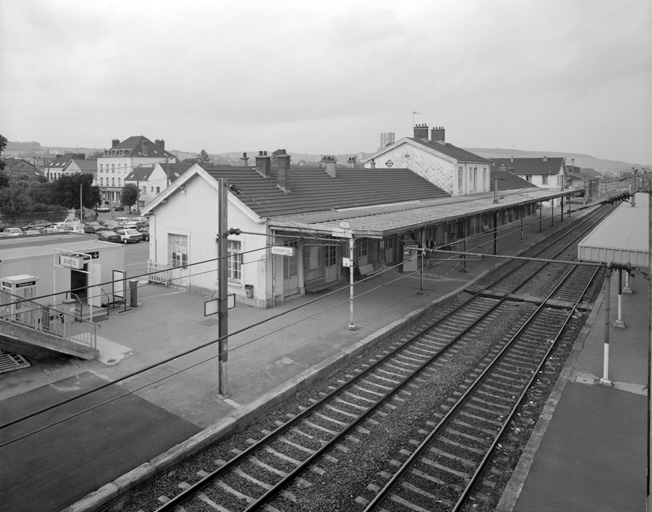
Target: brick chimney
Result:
[245, 160]
[373, 163]
[283, 162]
[545, 158]
[115, 142]
[438, 134]
[421, 131]
[144, 148]
[351, 162]
[263, 164]
[160, 142]
[330, 165]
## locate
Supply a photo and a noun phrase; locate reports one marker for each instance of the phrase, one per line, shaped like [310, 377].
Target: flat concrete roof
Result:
[27, 247]
[623, 237]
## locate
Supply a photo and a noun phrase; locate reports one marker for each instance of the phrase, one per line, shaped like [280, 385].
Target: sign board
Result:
[211, 306]
[346, 262]
[345, 224]
[76, 262]
[283, 251]
[342, 233]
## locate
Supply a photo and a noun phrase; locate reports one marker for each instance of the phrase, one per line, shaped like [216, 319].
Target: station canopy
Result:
[623, 237]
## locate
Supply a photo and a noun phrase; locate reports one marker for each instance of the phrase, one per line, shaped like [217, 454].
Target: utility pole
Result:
[81, 204]
[222, 276]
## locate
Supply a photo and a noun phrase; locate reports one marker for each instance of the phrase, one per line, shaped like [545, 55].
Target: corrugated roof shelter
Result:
[623, 237]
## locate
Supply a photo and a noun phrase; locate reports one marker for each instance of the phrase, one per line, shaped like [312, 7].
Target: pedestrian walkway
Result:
[272, 353]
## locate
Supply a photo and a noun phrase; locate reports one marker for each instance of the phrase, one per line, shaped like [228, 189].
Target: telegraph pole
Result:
[222, 276]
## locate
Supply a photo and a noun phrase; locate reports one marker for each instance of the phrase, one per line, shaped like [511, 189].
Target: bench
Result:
[319, 284]
[368, 270]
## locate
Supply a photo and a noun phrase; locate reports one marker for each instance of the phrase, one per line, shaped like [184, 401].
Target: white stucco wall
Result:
[438, 170]
[195, 214]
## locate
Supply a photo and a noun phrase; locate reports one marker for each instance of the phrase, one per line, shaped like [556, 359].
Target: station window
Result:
[235, 260]
[544, 180]
[179, 250]
[330, 255]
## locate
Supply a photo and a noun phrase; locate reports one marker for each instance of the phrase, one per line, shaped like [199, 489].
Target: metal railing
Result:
[57, 320]
[155, 275]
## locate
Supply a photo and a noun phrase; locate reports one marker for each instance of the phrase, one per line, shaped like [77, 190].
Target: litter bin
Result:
[249, 290]
[133, 293]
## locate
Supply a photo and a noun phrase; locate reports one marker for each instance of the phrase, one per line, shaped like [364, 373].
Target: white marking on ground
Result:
[112, 352]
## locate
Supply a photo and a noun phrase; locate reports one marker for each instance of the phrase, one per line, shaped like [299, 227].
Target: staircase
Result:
[34, 330]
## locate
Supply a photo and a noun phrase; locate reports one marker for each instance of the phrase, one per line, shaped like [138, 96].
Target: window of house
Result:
[101, 182]
[290, 263]
[361, 251]
[544, 180]
[101, 167]
[460, 178]
[528, 178]
[234, 251]
[475, 177]
[330, 255]
[158, 190]
[112, 167]
[112, 182]
[179, 250]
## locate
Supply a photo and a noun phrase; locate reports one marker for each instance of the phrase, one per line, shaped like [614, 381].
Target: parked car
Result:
[108, 236]
[12, 232]
[103, 209]
[141, 221]
[144, 231]
[35, 224]
[119, 207]
[128, 235]
[109, 224]
[92, 227]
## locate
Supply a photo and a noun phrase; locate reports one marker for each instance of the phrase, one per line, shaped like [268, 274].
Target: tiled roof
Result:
[459, 154]
[133, 147]
[176, 170]
[87, 165]
[313, 190]
[140, 174]
[531, 166]
[61, 162]
[508, 181]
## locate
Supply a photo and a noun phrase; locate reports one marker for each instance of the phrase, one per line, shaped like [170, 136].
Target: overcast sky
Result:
[328, 77]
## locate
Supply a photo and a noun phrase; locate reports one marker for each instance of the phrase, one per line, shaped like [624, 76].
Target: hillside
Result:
[27, 149]
[581, 160]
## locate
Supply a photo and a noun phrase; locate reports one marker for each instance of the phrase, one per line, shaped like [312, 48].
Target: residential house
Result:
[68, 164]
[184, 225]
[20, 167]
[543, 172]
[151, 181]
[456, 171]
[118, 162]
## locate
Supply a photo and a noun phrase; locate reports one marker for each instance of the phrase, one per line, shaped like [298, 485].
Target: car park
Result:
[144, 231]
[108, 236]
[128, 235]
[36, 224]
[109, 224]
[11, 232]
[92, 227]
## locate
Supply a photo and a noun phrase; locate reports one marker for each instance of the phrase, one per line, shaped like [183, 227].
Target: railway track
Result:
[476, 362]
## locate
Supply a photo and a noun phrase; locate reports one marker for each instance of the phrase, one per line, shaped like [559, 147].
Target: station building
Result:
[302, 229]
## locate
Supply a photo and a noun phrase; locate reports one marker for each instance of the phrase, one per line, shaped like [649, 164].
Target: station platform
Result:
[77, 457]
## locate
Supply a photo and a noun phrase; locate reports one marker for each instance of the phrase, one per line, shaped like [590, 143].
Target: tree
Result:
[3, 145]
[129, 194]
[14, 199]
[203, 158]
[67, 188]
[4, 178]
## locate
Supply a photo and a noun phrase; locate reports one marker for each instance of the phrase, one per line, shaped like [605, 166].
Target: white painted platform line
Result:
[112, 352]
